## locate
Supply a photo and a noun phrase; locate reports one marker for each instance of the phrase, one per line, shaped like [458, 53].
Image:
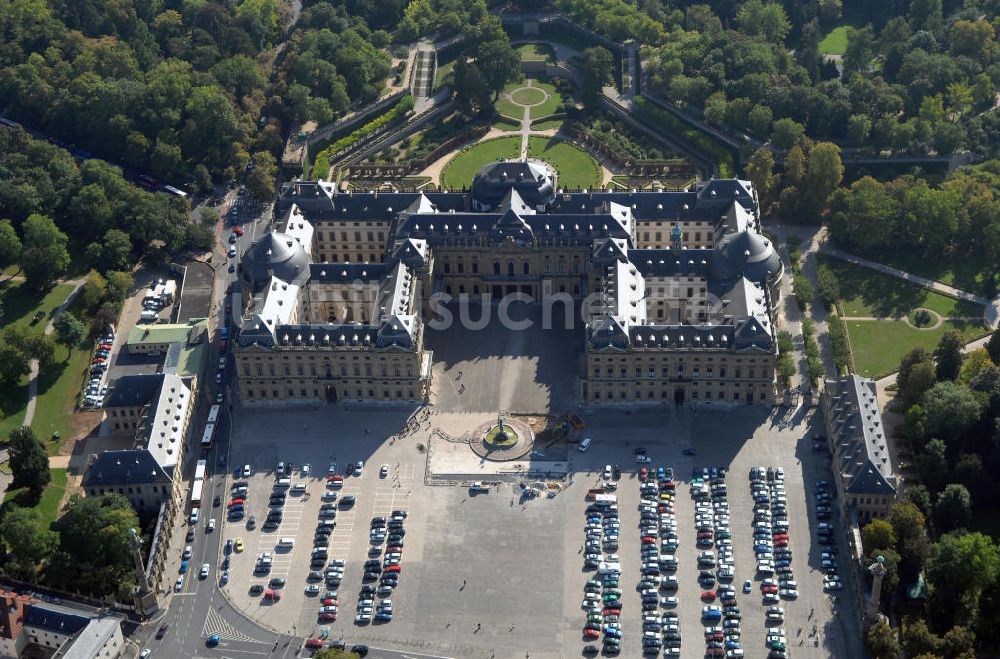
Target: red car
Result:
[781, 543]
[704, 534]
[330, 602]
[392, 568]
[781, 536]
[329, 617]
[272, 594]
[643, 473]
[649, 540]
[591, 633]
[104, 346]
[97, 360]
[769, 589]
[237, 501]
[314, 643]
[708, 596]
[612, 612]
[238, 231]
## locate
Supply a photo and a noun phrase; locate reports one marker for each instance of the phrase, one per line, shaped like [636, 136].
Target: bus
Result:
[196, 493]
[213, 413]
[174, 191]
[206, 438]
[199, 470]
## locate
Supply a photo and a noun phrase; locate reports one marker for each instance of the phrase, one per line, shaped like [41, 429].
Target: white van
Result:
[609, 568]
[286, 543]
[585, 444]
[283, 483]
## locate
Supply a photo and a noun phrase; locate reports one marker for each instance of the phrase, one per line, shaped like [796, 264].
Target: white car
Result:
[669, 602]
[332, 469]
[179, 584]
[204, 571]
[608, 472]
[305, 469]
[643, 459]
[359, 467]
[211, 525]
[187, 552]
[193, 519]
[247, 471]
[383, 471]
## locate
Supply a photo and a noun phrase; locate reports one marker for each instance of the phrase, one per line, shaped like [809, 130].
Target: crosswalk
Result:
[216, 624]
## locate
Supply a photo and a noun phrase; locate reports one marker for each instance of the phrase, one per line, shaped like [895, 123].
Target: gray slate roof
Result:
[857, 436]
[128, 467]
[134, 390]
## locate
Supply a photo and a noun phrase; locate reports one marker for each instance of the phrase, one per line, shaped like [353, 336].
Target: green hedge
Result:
[814, 363]
[837, 330]
[398, 111]
[698, 140]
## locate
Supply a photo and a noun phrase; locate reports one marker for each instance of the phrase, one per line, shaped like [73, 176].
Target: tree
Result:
[29, 540]
[973, 364]
[760, 170]
[208, 216]
[261, 180]
[498, 63]
[953, 508]
[94, 290]
[470, 89]
[918, 639]
[969, 472]
[919, 496]
[993, 347]
[10, 244]
[597, 63]
[786, 132]
[859, 127]
[45, 256]
[950, 410]
[69, 330]
[756, 18]
[823, 174]
[28, 460]
[916, 376]
[911, 540]
[878, 534]
[881, 641]
[119, 284]
[15, 363]
[94, 551]
[933, 465]
[957, 571]
[759, 119]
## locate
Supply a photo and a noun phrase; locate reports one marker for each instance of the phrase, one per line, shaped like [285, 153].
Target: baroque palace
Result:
[677, 289]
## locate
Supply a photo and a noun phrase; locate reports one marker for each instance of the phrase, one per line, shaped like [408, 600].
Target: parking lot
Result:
[490, 574]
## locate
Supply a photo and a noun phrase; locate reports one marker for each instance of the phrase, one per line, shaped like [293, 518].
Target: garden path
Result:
[29, 410]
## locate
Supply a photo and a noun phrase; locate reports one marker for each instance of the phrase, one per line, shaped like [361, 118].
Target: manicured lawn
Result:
[506, 107]
[48, 505]
[871, 293]
[505, 124]
[459, 171]
[528, 96]
[443, 75]
[835, 42]
[969, 272]
[534, 51]
[546, 125]
[879, 345]
[58, 388]
[577, 169]
[20, 304]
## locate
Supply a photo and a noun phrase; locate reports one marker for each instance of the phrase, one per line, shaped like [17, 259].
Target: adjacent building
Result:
[30, 627]
[866, 485]
[156, 409]
[677, 289]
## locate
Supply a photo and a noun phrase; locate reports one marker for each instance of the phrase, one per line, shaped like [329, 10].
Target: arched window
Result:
[510, 268]
[527, 268]
[496, 268]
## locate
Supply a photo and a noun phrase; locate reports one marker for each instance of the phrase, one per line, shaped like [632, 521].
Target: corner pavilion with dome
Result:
[680, 286]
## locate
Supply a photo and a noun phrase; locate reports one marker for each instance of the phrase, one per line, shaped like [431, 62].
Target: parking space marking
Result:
[216, 624]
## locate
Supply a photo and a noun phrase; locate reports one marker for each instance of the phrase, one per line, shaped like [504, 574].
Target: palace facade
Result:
[677, 289]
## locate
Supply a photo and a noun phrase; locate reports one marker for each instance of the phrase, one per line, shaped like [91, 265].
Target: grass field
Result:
[835, 42]
[534, 52]
[879, 345]
[459, 171]
[59, 384]
[528, 96]
[972, 272]
[506, 124]
[508, 108]
[883, 296]
[577, 169]
[48, 505]
[546, 125]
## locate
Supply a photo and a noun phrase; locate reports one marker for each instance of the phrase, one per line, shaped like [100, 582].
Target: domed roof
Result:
[275, 255]
[748, 254]
[534, 181]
